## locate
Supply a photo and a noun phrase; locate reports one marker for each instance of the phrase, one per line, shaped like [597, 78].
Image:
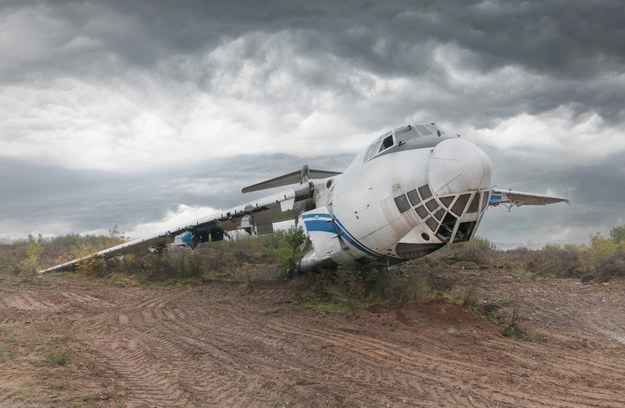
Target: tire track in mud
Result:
[147, 371]
[444, 368]
[149, 379]
[571, 315]
[194, 334]
[566, 304]
[10, 399]
[208, 363]
[583, 315]
[206, 338]
[395, 366]
[160, 329]
[291, 352]
[228, 344]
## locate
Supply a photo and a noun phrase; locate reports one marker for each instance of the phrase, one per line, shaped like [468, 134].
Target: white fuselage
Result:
[401, 203]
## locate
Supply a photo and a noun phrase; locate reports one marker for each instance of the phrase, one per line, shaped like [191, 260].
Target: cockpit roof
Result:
[401, 135]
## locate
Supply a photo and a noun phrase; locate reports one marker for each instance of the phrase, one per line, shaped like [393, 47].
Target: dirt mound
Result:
[69, 341]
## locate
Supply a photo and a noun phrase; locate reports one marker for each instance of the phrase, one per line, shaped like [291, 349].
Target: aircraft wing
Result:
[277, 207]
[518, 198]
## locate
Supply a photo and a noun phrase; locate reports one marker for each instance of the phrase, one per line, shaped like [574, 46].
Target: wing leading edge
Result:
[519, 198]
[264, 211]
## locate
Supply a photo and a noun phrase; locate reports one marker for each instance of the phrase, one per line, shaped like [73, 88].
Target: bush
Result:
[478, 250]
[611, 267]
[593, 256]
[363, 286]
[554, 261]
[618, 234]
[288, 248]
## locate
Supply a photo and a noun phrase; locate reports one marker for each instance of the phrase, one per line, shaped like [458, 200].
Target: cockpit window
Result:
[404, 134]
[429, 129]
[400, 136]
[379, 146]
[423, 130]
[435, 129]
[370, 151]
[387, 142]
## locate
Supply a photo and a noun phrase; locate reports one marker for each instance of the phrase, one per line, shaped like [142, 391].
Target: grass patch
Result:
[58, 358]
[518, 270]
[3, 351]
[328, 307]
[492, 311]
[60, 387]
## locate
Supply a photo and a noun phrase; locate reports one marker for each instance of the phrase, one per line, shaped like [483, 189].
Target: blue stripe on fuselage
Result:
[327, 223]
[323, 225]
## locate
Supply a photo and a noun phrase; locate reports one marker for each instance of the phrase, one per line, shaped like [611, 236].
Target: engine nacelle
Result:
[184, 240]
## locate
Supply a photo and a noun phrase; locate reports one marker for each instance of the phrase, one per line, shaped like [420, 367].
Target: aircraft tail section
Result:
[299, 176]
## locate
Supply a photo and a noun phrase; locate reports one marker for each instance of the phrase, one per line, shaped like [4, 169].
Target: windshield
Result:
[406, 133]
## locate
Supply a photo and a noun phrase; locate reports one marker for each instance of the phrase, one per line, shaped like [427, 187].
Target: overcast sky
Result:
[143, 113]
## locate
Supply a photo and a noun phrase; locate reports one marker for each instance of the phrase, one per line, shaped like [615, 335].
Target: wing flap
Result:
[519, 198]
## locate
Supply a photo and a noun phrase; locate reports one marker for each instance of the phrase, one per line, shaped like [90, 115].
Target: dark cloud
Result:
[573, 38]
[465, 63]
[97, 200]
[595, 193]
[567, 44]
[91, 200]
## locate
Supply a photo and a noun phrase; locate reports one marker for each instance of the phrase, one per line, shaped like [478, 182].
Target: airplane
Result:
[410, 192]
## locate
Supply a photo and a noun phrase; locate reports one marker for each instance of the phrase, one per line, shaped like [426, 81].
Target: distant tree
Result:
[618, 234]
[114, 232]
[34, 249]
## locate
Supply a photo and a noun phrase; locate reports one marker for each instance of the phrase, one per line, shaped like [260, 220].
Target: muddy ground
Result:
[74, 341]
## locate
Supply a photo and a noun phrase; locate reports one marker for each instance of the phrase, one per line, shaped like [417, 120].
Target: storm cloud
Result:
[132, 112]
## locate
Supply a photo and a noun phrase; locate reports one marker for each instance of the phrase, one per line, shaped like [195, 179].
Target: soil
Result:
[75, 341]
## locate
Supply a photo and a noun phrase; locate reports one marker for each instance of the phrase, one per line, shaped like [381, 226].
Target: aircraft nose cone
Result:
[456, 166]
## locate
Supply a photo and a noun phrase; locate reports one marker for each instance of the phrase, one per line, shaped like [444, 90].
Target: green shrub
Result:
[478, 250]
[58, 357]
[288, 248]
[617, 234]
[554, 261]
[362, 286]
[593, 255]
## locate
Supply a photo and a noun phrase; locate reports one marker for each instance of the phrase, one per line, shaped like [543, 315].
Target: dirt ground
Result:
[74, 341]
